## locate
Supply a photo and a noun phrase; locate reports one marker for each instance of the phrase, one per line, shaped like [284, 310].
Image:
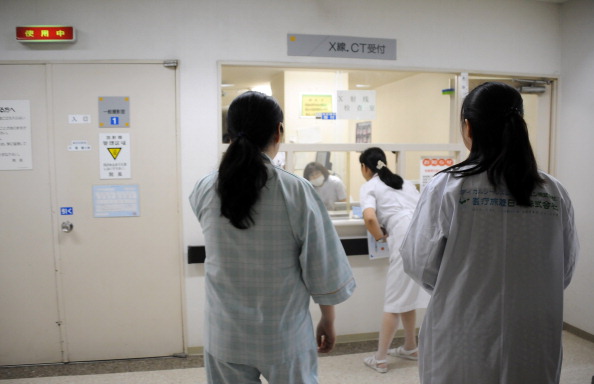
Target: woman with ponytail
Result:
[270, 248]
[388, 202]
[494, 240]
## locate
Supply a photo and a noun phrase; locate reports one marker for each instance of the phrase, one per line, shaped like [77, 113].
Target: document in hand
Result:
[377, 250]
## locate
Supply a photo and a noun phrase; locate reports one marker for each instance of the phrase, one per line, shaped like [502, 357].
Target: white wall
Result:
[311, 130]
[489, 36]
[575, 135]
[415, 112]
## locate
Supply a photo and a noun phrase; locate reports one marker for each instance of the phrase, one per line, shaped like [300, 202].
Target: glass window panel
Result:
[415, 117]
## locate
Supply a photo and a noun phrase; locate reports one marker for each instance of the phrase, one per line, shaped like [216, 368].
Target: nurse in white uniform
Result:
[495, 242]
[388, 203]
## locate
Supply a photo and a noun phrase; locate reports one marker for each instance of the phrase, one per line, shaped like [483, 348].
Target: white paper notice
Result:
[431, 165]
[355, 105]
[114, 156]
[15, 135]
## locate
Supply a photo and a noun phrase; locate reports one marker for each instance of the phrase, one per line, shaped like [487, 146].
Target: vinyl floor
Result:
[343, 366]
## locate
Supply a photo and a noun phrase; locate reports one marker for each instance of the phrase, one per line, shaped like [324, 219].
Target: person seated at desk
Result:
[330, 188]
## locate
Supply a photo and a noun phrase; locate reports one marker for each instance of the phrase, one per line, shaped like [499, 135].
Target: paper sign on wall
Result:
[315, 105]
[79, 145]
[116, 200]
[430, 165]
[114, 156]
[363, 132]
[356, 105]
[15, 135]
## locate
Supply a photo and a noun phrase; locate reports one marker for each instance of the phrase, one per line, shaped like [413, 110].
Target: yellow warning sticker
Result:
[114, 152]
[114, 156]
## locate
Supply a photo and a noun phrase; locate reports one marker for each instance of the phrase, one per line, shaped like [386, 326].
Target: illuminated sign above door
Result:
[45, 34]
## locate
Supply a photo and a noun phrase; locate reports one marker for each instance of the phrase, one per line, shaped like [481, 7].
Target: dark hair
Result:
[252, 122]
[371, 157]
[500, 142]
[313, 167]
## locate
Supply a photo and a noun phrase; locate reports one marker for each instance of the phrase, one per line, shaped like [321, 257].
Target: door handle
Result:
[67, 226]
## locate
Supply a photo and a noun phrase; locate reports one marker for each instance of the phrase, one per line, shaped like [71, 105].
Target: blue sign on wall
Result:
[116, 200]
[66, 211]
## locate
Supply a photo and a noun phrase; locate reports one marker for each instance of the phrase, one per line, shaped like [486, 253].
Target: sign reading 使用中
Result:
[45, 34]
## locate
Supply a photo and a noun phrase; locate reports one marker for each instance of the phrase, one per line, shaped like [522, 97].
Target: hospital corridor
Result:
[196, 189]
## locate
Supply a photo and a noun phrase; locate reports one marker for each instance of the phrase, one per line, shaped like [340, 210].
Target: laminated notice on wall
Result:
[116, 201]
[15, 135]
[363, 132]
[114, 156]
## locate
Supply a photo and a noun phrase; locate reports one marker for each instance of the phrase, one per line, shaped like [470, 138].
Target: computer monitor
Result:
[323, 158]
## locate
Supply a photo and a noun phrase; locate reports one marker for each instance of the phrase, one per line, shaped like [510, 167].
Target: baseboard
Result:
[356, 338]
[195, 350]
[341, 339]
[373, 336]
[578, 332]
[360, 337]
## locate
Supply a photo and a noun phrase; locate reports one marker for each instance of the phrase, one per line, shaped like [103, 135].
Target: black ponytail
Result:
[500, 142]
[374, 158]
[252, 122]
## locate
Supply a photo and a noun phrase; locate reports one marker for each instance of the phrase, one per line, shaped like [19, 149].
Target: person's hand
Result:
[325, 335]
[382, 239]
